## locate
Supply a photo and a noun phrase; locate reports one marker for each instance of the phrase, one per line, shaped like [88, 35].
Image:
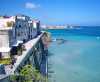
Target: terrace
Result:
[15, 61]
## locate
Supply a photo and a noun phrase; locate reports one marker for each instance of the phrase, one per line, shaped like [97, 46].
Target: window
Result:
[19, 25]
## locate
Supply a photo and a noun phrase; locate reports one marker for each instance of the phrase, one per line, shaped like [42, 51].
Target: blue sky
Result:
[78, 12]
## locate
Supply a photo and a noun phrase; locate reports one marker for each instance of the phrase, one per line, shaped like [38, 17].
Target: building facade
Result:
[6, 36]
[16, 29]
[17, 32]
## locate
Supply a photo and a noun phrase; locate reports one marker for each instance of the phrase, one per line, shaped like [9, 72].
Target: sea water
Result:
[78, 58]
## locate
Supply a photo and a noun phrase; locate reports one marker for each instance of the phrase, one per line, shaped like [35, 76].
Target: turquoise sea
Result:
[78, 58]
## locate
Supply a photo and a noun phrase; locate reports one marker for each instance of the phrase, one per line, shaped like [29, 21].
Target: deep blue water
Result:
[90, 31]
[78, 59]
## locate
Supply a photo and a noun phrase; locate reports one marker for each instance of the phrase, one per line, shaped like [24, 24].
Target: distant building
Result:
[14, 30]
[36, 25]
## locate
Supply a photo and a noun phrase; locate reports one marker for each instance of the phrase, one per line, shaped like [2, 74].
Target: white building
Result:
[15, 29]
[6, 36]
[36, 27]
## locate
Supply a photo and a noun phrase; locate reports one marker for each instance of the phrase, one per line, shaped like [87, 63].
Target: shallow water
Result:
[75, 60]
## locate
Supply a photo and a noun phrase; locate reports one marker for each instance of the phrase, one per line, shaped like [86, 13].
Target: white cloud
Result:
[30, 5]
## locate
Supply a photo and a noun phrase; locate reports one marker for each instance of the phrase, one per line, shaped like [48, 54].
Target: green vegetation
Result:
[31, 74]
[9, 24]
[28, 74]
[13, 78]
[5, 61]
